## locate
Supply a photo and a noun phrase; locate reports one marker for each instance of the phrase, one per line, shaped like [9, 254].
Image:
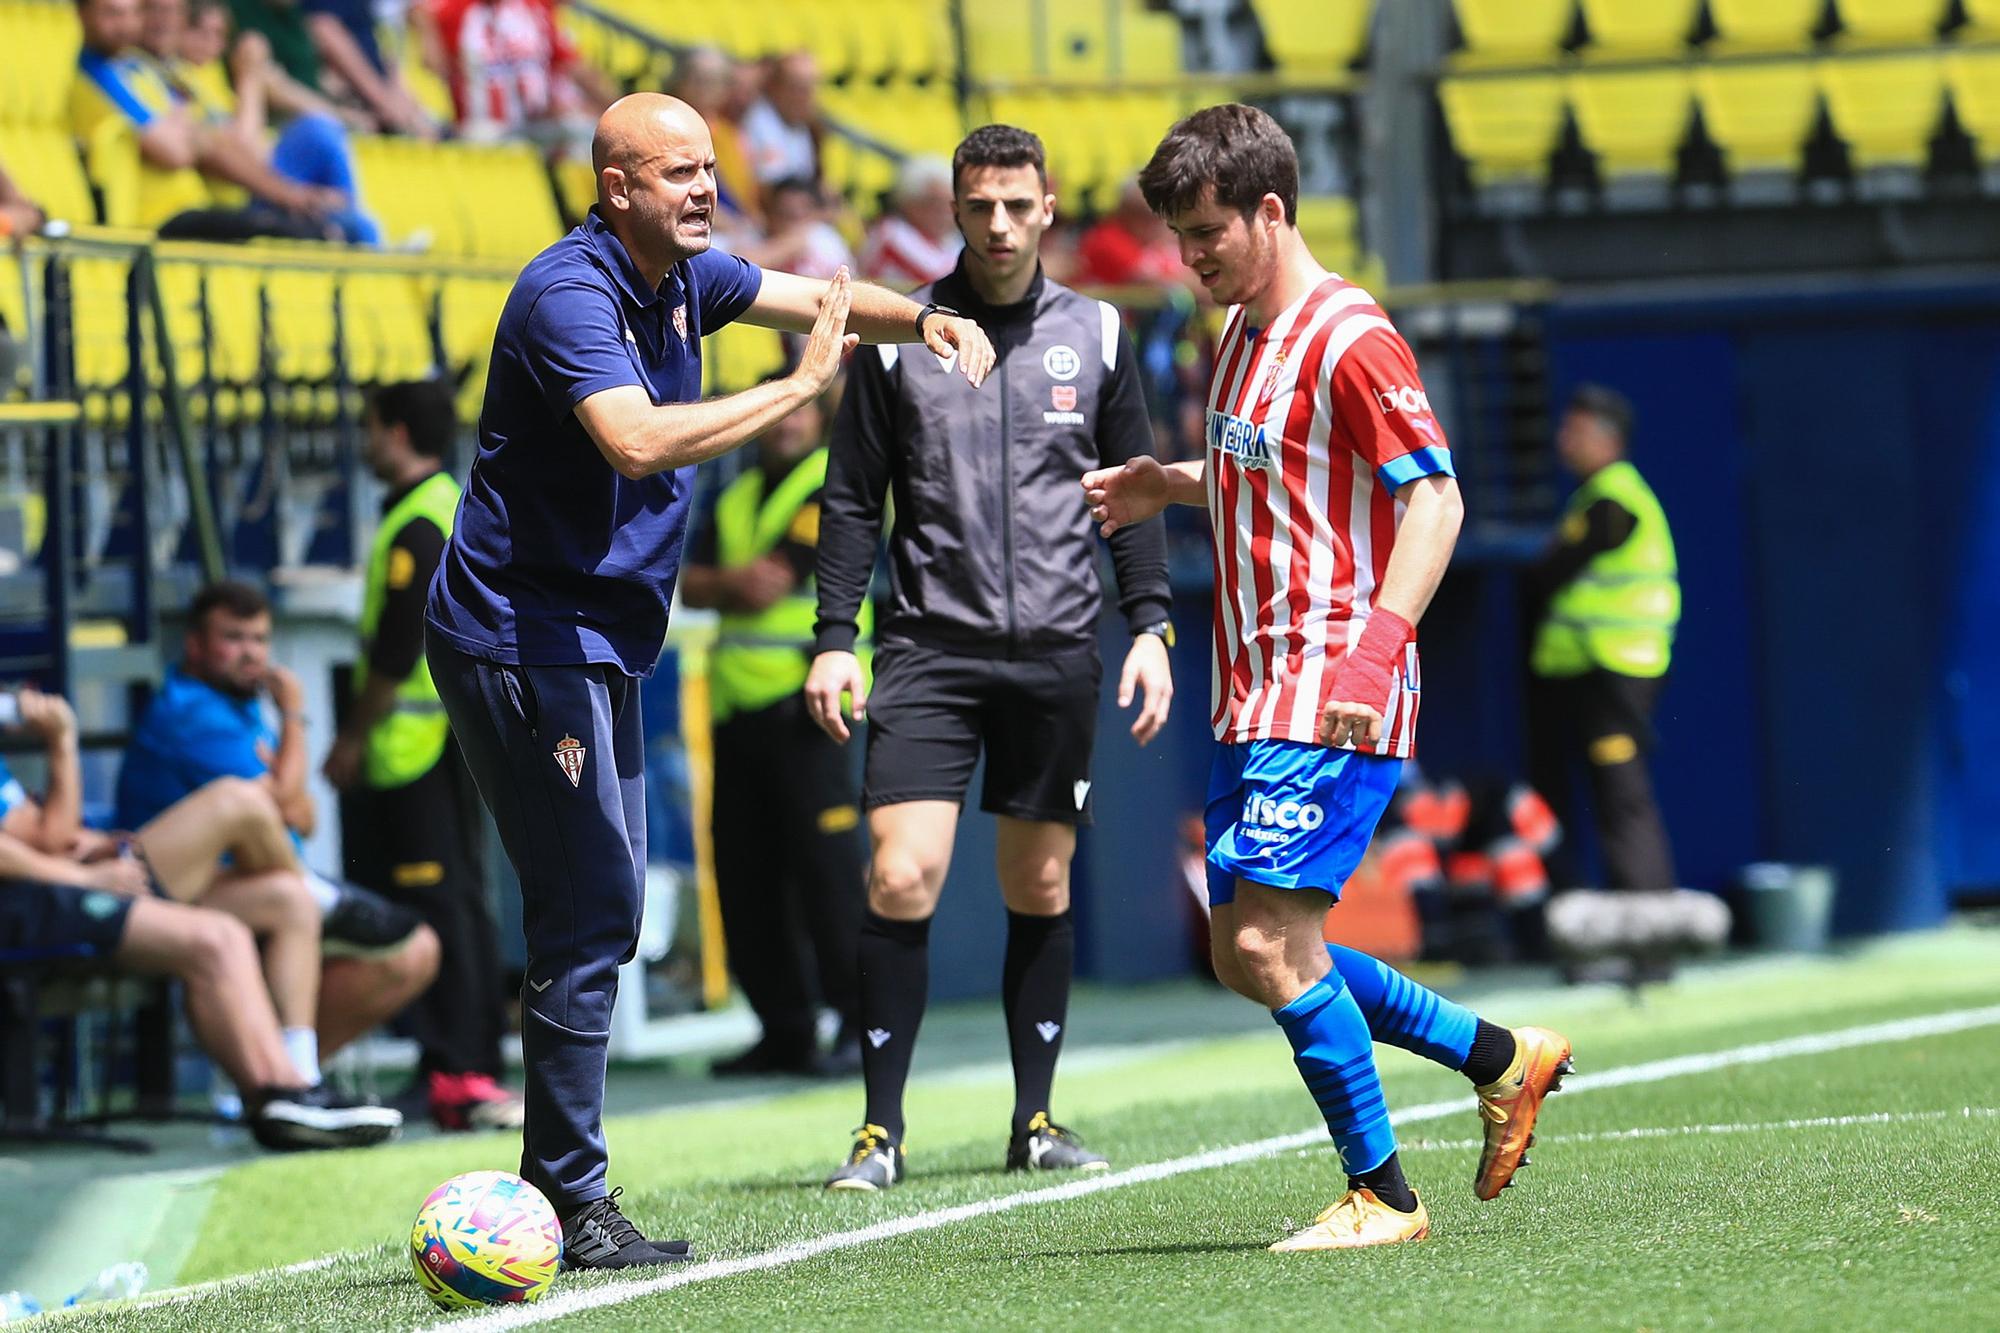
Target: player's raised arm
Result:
[1141, 487]
[787, 301]
[639, 438]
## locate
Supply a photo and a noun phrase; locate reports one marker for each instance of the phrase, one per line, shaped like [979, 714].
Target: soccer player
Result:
[1333, 511]
[991, 636]
[550, 604]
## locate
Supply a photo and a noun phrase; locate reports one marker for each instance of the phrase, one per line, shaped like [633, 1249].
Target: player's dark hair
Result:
[239, 600]
[1608, 405]
[199, 9]
[1237, 151]
[422, 407]
[999, 146]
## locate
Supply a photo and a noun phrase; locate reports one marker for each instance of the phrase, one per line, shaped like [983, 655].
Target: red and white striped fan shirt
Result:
[1312, 425]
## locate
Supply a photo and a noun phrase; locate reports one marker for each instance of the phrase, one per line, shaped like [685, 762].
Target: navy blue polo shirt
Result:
[555, 559]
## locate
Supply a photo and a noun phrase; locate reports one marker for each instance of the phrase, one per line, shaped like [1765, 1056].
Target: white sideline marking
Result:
[1652, 1071]
[1728, 1127]
[178, 1295]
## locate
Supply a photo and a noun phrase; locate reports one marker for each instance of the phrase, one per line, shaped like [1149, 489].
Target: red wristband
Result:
[1368, 674]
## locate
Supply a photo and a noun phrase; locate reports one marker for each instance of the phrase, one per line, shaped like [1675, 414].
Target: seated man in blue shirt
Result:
[224, 848]
[203, 759]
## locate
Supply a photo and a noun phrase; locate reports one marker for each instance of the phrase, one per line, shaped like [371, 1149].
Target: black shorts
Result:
[44, 922]
[930, 712]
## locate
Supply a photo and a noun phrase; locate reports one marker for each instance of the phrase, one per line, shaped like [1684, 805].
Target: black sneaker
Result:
[766, 1057]
[876, 1162]
[289, 1119]
[362, 922]
[1046, 1146]
[599, 1235]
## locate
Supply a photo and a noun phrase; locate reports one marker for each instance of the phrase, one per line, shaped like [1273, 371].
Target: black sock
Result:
[893, 975]
[1388, 1183]
[1034, 987]
[1492, 1052]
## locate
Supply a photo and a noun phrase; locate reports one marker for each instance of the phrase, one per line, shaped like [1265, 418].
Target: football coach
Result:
[550, 603]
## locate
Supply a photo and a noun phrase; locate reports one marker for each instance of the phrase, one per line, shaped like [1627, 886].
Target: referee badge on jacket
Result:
[569, 754]
[1063, 396]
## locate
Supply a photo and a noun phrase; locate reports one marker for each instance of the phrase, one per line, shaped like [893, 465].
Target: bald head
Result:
[638, 128]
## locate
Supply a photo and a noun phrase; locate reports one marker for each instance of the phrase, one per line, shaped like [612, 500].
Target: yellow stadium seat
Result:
[43, 162]
[1885, 107]
[303, 333]
[14, 314]
[1514, 29]
[98, 305]
[1505, 127]
[1974, 78]
[235, 324]
[1314, 37]
[1327, 223]
[1149, 45]
[999, 42]
[1639, 27]
[577, 185]
[1983, 19]
[41, 38]
[737, 356]
[1765, 25]
[1077, 41]
[1633, 120]
[1898, 21]
[1759, 113]
[469, 311]
[403, 183]
[386, 336]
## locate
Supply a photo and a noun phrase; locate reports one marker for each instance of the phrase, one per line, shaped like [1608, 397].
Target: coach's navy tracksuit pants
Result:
[557, 753]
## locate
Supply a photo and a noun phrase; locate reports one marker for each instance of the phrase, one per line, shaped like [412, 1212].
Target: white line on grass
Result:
[1652, 1071]
[1727, 1127]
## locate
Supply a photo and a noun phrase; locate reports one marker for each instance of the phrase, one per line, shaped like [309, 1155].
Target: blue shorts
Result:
[1292, 815]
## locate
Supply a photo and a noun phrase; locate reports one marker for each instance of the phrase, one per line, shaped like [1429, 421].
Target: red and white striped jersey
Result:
[1312, 425]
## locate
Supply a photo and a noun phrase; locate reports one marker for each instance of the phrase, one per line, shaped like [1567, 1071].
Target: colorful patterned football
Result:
[485, 1238]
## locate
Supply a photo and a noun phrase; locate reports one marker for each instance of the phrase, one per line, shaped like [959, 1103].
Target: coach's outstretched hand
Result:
[948, 335]
[829, 341]
[835, 674]
[1130, 493]
[1149, 677]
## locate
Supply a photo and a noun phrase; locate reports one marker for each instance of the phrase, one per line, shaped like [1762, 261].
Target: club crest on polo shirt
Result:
[569, 754]
[681, 320]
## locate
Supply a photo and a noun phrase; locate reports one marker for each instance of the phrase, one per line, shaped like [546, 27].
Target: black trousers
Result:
[790, 867]
[558, 754]
[418, 844]
[1605, 720]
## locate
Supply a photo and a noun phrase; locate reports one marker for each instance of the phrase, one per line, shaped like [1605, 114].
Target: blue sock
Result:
[1402, 1013]
[1331, 1047]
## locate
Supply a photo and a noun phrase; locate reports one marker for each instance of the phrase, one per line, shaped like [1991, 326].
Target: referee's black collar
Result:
[965, 297]
[611, 253]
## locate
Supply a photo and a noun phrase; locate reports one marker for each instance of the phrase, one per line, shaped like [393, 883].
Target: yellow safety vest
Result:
[408, 743]
[763, 657]
[1619, 613]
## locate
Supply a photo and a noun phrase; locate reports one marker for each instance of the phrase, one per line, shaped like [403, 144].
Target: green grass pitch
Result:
[1852, 1188]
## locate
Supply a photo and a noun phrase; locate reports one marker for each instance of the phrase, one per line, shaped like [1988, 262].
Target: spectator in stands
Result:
[214, 957]
[1129, 246]
[19, 215]
[917, 240]
[782, 129]
[282, 24]
[120, 87]
[312, 148]
[706, 80]
[515, 74]
[409, 827]
[343, 37]
[222, 847]
[801, 239]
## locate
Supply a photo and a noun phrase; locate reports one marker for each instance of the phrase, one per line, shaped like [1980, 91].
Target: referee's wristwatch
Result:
[1160, 629]
[933, 308]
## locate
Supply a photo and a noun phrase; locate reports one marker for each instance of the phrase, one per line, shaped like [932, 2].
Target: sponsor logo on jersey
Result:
[1062, 363]
[1063, 397]
[1403, 398]
[1081, 790]
[569, 754]
[1270, 389]
[681, 320]
[1048, 1030]
[1063, 418]
[876, 1036]
[1242, 440]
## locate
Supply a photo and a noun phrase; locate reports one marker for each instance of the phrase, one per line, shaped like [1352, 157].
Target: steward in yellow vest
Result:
[405, 820]
[789, 856]
[1609, 600]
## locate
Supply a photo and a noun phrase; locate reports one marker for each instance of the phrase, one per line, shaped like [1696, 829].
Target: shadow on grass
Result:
[914, 1183]
[1123, 1251]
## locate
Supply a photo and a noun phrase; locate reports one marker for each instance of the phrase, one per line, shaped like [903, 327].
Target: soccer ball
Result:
[485, 1238]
